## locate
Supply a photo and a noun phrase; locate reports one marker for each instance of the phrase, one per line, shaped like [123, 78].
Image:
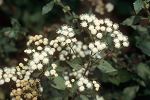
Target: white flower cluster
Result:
[63, 42]
[7, 74]
[40, 55]
[51, 72]
[38, 52]
[66, 46]
[14, 73]
[37, 40]
[23, 71]
[100, 28]
[39, 60]
[81, 80]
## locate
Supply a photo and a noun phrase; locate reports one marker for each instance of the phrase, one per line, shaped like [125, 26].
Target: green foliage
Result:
[144, 45]
[121, 77]
[129, 93]
[14, 32]
[59, 83]
[9, 36]
[131, 20]
[75, 63]
[105, 67]
[143, 71]
[83, 97]
[48, 7]
[143, 36]
[2, 95]
[138, 6]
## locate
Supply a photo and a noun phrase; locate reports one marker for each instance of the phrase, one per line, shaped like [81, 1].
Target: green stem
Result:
[146, 8]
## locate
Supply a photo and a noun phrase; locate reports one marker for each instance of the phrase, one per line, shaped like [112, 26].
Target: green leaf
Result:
[143, 71]
[141, 30]
[147, 0]
[131, 20]
[48, 7]
[129, 93]
[144, 45]
[121, 77]
[10, 47]
[140, 82]
[138, 6]
[83, 97]
[75, 63]
[57, 1]
[105, 67]
[15, 23]
[66, 9]
[2, 95]
[59, 83]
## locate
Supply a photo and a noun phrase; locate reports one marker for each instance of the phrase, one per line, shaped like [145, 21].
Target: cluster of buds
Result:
[21, 74]
[14, 73]
[23, 71]
[79, 77]
[38, 52]
[67, 46]
[26, 90]
[84, 83]
[7, 74]
[63, 42]
[51, 72]
[37, 40]
[100, 29]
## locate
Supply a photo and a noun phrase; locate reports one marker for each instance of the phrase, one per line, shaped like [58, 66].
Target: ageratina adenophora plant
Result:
[68, 62]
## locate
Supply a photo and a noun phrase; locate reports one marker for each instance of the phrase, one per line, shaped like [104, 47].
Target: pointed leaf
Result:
[59, 83]
[105, 67]
[131, 20]
[83, 97]
[129, 93]
[144, 46]
[143, 71]
[48, 7]
[75, 63]
[138, 6]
